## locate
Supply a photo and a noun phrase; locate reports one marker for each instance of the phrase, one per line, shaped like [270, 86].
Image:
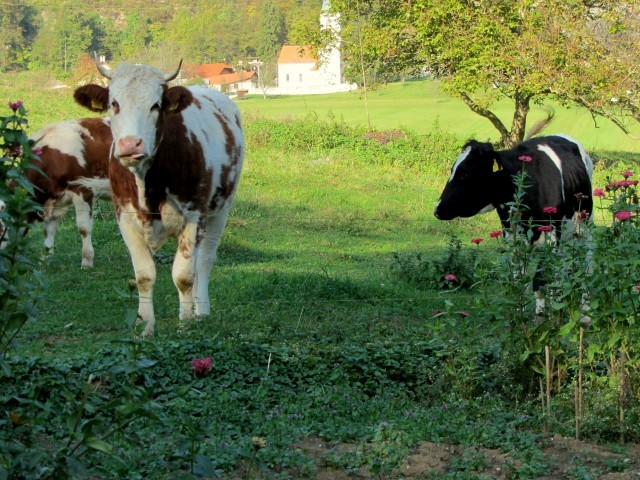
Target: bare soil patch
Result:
[564, 456]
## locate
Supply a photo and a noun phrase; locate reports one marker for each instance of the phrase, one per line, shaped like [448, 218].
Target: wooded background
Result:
[56, 34]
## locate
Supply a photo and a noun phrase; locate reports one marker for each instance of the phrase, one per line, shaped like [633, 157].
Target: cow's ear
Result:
[94, 97]
[176, 99]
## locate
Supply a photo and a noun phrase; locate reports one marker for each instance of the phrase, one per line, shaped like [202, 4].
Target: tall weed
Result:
[398, 148]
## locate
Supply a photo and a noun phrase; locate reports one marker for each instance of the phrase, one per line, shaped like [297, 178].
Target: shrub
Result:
[21, 284]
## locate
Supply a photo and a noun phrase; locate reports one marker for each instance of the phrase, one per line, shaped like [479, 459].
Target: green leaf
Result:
[592, 349]
[567, 328]
[97, 444]
[145, 362]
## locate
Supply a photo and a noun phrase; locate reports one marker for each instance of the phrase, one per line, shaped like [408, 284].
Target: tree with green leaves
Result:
[65, 37]
[581, 52]
[135, 36]
[17, 31]
[271, 32]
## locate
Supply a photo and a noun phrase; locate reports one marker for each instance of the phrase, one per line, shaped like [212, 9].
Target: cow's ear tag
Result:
[96, 105]
[496, 166]
[173, 107]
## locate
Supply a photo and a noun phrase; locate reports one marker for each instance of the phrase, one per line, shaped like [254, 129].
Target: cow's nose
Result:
[130, 146]
[435, 212]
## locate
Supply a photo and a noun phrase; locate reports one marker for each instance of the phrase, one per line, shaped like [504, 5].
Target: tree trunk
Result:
[508, 138]
[488, 114]
[519, 123]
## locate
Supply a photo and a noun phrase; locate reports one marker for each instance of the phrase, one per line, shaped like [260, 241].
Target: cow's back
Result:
[69, 150]
[560, 173]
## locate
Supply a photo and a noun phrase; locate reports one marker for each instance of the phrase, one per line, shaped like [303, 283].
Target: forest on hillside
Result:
[54, 35]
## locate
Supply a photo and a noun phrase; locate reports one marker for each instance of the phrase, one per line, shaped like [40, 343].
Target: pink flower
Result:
[450, 277]
[15, 105]
[583, 215]
[627, 174]
[525, 158]
[599, 192]
[623, 215]
[550, 210]
[37, 151]
[496, 234]
[638, 287]
[545, 228]
[201, 366]
[476, 240]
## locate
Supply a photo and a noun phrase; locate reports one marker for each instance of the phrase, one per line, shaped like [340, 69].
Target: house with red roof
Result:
[300, 71]
[221, 77]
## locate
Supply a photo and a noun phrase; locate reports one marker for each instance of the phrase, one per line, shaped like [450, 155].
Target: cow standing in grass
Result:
[69, 150]
[176, 164]
[558, 172]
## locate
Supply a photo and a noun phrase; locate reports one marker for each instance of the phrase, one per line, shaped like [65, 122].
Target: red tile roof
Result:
[207, 70]
[296, 54]
[235, 77]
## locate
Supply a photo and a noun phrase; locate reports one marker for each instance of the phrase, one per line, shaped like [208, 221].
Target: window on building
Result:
[287, 77]
[300, 77]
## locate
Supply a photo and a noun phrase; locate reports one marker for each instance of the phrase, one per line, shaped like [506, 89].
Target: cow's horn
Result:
[170, 76]
[106, 72]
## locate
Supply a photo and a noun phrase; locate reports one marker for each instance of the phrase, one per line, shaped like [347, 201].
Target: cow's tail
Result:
[101, 187]
[540, 125]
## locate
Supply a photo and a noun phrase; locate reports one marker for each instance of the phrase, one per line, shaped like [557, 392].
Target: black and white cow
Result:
[558, 172]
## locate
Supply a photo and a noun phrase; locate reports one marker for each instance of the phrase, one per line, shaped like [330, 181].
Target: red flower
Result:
[476, 240]
[623, 215]
[583, 215]
[545, 228]
[450, 277]
[598, 192]
[201, 366]
[15, 105]
[627, 174]
[550, 210]
[638, 287]
[525, 158]
[496, 234]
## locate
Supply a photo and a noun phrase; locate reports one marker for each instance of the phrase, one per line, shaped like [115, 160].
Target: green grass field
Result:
[418, 105]
[314, 337]
[414, 105]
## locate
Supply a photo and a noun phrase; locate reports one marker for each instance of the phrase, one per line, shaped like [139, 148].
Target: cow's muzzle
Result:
[132, 160]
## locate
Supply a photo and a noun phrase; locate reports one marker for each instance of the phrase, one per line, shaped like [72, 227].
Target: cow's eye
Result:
[115, 105]
[155, 106]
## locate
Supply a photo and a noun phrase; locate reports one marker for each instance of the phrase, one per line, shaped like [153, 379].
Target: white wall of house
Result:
[324, 76]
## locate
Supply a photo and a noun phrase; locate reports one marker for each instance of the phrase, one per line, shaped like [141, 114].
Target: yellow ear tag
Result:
[496, 166]
[96, 105]
[173, 107]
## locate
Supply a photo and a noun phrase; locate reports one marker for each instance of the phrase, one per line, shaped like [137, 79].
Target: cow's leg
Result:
[53, 210]
[206, 258]
[183, 271]
[84, 222]
[145, 271]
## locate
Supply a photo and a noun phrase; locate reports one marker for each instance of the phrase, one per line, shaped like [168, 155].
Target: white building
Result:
[300, 73]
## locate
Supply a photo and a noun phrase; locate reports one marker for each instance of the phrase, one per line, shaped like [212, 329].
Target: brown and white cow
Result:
[69, 150]
[176, 164]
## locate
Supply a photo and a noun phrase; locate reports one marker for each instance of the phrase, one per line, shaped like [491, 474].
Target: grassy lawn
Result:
[418, 105]
[320, 347]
